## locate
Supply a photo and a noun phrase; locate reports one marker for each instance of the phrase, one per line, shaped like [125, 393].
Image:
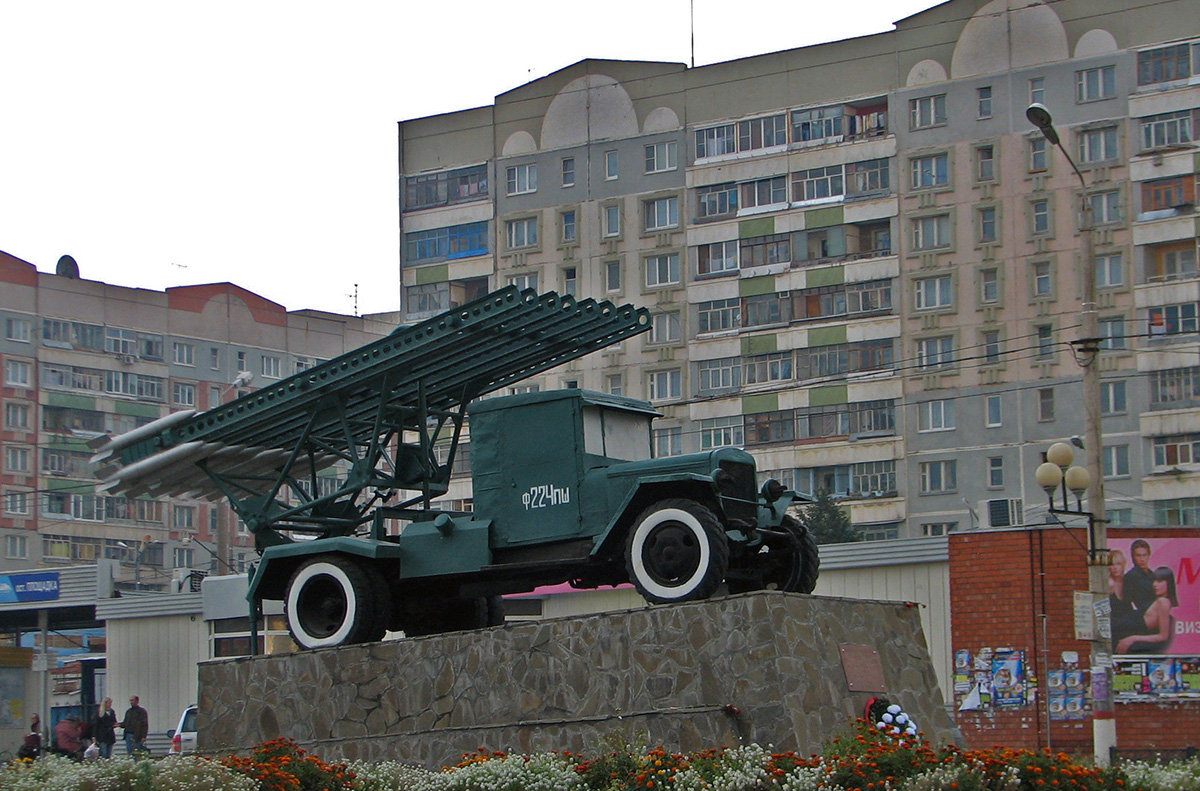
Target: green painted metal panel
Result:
[759, 226]
[433, 274]
[426, 551]
[137, 410]
[756, 286]
[760, 344]
[61, 442]
[827, 336]
[833, 276]
[75, 487]
[70, 401]
[824, 218]
[766, 402]
[827, 396]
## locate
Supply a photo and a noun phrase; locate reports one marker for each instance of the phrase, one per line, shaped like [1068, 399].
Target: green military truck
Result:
[565, 486]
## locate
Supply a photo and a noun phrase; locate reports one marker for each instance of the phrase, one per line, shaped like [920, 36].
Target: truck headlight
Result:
[772, 490]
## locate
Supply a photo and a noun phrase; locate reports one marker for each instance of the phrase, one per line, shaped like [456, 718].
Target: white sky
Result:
[166, 143]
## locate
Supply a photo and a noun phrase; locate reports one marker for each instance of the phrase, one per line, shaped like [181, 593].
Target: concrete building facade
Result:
[863, 262]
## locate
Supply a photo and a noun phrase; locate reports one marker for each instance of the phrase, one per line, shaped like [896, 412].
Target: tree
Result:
[827, 521]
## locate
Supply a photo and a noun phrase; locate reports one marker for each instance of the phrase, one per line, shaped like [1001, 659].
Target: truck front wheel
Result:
[676, 551]
[329, 603]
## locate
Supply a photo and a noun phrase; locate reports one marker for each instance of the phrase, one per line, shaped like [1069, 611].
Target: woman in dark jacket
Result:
[103, 728]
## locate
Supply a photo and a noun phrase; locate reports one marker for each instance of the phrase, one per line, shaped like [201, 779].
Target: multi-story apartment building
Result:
[863, 261]
[81, 359]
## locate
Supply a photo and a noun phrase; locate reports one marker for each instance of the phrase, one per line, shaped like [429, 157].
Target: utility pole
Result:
[1087, 352]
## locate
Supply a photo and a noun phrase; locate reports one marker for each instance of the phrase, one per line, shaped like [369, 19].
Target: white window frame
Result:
[612, 165]
[662, 157]
[931, 233]
[612, 221]
[933, 293]
[271, 365]
[521, 179]
[184, 354]
[937, 415]
[665, 327]
[993, 411]
[18, 373]
[1098, 145]
[521, 233]
[927, 111]
[935, 353]
[664, 385]
[1095, 84]
[929, 171]
[662, 270]
[17, 330]
[662, 213]
[939, 477]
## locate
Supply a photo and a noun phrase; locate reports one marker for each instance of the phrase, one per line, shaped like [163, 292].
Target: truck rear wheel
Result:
[795, 570]
[676, 551]
[436, 616]
[329, 602]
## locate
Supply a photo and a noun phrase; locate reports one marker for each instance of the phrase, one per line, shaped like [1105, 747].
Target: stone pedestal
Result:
[773, 668]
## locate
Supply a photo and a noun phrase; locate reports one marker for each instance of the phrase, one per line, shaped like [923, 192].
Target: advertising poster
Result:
[1008, 679]
[1148, 679]
[1154, 596]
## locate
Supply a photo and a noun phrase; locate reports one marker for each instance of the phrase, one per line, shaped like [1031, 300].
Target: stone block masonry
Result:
[763, 667]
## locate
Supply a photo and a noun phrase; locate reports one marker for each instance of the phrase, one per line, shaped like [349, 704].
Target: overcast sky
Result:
[166, 143]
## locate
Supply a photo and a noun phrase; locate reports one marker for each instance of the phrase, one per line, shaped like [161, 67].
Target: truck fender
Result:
[278, 562]
[701, 488]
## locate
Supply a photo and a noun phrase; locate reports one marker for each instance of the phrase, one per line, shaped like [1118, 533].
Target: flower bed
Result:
[866, 759]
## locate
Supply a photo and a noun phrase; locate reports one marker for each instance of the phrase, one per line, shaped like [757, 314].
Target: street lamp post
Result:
[1087, 348]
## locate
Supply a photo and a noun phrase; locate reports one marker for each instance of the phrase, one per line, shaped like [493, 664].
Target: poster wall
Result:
[1154, 596]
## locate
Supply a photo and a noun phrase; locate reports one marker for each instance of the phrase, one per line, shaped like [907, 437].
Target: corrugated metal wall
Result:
[156, 658]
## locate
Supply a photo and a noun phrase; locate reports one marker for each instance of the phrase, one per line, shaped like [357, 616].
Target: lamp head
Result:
[1078, 480]
[1049, 476]
[1040, 117]
[1060, 453]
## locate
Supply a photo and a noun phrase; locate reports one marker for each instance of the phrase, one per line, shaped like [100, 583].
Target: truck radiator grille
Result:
[742, 501]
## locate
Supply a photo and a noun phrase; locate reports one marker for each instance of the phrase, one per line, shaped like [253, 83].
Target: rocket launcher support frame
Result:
[380, 409]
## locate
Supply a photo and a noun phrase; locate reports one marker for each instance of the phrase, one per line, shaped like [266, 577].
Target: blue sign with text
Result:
[34, 586]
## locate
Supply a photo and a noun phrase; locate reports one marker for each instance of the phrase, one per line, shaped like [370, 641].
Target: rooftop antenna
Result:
[354, 296]
[692, 7]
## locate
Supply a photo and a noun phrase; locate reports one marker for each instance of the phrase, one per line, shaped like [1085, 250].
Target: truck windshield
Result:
[615, 434]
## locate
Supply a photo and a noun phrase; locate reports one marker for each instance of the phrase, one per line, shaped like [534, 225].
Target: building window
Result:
[748, 135]
[1116, 461]
[183, 394]
[993, 409]
[16, 416]
[989, 286]
[521, 179]
[270, 366]
[16, 459]
[665, 385]
[1171, 261]
[721, 432]
[446, 187]
[716, 258]
[16, 546]
[1038, 160]
[1045, 341]
[777, 366]
[935, 352]
[662, 270]
[17, 373]
[930, 171]
[765, 250]
[1176, 449]
[934, 292]
[938, 477]
[1180, 511]
[720, 314]
[991, 347]
[614, 384]
[1043, 283]
[1045, 404]
[570, 280]
[667, 441]
[522, 233]
[427, 298]
[183, 517]
[1169, 193]
[1112, 333]
[1164, 64]
[1092, 85]
[525, 281]
[984, 101]
[662, 213]
[1037, 90]
[938, 528]
[931, 233]
[17, 330]
[611, 165]
[17, 503]
[1112, 398]
[568, 228]
[987, 224]
[439, 244]
[724, 373]
[664, 328]
[1172, 319]
[1109, 271]
[1039, 217]
[612, 221]
[1174, 386]
[661, 157]
[985, 163]
[1106, 207]
[1098, 145]
[1168, 129]
[927, 111]
[995, 472]
[936, 415]
[568, 171]
[826, 182]
[612, 276]
[184, 354]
